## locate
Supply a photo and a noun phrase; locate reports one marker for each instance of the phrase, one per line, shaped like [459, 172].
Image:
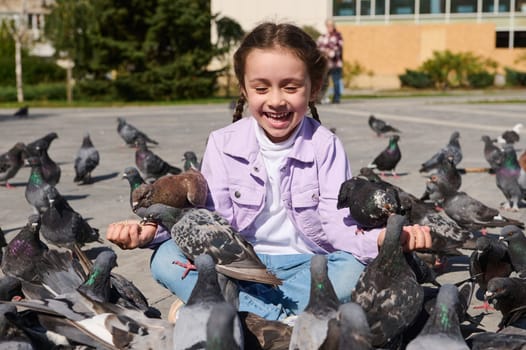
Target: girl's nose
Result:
[276, 98]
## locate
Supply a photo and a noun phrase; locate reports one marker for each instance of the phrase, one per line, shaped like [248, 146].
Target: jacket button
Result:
[314, 196]
[256, 169]
[237, 194]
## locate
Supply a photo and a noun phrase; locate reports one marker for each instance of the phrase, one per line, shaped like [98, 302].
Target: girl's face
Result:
[278, 90]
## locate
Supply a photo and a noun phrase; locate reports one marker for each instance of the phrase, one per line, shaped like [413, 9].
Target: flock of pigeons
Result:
[54, 296]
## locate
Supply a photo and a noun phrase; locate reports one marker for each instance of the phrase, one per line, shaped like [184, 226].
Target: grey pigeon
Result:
[379, 126]
[130, 133]
[442, 329]
[492, 153]
[39, 148]
[220, 327]
[201, 231]
[10, 162]
[35, 191]
[24, 251]
[190, 329]
[467, 211]
[508, 295]
[511, 136]
[150, 164]
[354, 330]
[369, 203]
[22, 111]
[452, 149]
[497, 341]
[388, 290]
[507, 177]
[10, 287]
[87, 159]
[191, 161]
[63, 226]
[448, 174]
[3, 243]
[97, 285]
[134, 180]
[312, 328]
[490, 259]
[516, 241]
[389, 158]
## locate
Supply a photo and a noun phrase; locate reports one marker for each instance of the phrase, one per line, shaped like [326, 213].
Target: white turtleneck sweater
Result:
[275, 233]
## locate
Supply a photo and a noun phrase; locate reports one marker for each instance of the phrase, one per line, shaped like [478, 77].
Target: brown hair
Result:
[268, 35]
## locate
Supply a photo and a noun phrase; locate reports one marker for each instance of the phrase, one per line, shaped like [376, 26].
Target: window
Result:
[380, 7]
[365, 8]
[344, 7]
[432, 6]
[402, 7]
[463, 6]
[519, 39]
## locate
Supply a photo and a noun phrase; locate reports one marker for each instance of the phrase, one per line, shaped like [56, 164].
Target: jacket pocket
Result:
[246, 204]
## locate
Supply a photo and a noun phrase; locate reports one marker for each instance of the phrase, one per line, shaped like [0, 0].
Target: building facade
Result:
[388, 36]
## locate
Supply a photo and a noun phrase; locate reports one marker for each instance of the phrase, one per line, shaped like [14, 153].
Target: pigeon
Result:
[201, 231]
[151, 165]
[389, 158]
[387, 289]
[508, 295]
[260, 333]
[130, 134]
[22, 111]
[496, 341]
[442, 329]
[354, 330]
[190, 329]
[447, 172]
[511, 136]
[491, 259]
[312, 327]
[507, 177]
[492, 153]
[97, 285]
[87, 159]
[35, 191]
[380, 127]
[220, 327]
[24, 251]
[63, 226]
[190, 161]
[11, 161]
[134, 179]
[516, 241]
[188, 189]
[50, 170]
[452, 149]
[369, 203]
[467, 211]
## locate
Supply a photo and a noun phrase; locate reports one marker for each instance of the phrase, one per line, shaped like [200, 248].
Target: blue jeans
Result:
[290, 298]
[336, 76]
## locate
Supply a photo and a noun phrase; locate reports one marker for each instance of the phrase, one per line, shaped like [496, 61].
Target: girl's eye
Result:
[291, 88]
[260, 90]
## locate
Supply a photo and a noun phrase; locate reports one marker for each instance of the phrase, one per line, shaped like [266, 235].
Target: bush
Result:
[35, 70]
[416, 79]
[481, 80]
[88, 89]
[515, 77]
[40, 92]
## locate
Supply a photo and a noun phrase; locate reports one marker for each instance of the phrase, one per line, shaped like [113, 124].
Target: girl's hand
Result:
[413, 237]
[131, 234]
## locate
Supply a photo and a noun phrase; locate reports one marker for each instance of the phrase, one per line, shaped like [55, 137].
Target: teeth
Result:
[277, 115]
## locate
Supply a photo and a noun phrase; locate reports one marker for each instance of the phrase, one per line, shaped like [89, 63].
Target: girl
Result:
[275, 176]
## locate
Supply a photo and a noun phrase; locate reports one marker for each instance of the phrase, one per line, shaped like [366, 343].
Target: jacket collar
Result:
[243, 143]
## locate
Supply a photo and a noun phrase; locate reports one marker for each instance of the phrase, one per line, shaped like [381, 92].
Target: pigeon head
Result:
[142, 196]
[121, 121]
[517, 128]
[34, 221]
[511, 232]
[498, 288]
[86, 141]
[395, 224]
[394, 138]
[190, 155]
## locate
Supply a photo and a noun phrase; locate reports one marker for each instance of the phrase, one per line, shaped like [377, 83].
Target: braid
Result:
[238, 112]
[314, 111]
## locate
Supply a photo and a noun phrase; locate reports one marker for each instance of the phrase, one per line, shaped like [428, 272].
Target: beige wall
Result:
[388, 50]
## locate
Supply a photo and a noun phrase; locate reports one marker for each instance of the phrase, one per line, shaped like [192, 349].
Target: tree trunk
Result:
[18, 68]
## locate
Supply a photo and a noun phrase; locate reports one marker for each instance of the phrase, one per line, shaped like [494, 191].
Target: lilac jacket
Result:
[311, 177]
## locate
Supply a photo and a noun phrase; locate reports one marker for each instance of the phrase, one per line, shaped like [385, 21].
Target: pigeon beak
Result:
[488, 295]
[134, 205]
[124, 176]
[51, 201]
